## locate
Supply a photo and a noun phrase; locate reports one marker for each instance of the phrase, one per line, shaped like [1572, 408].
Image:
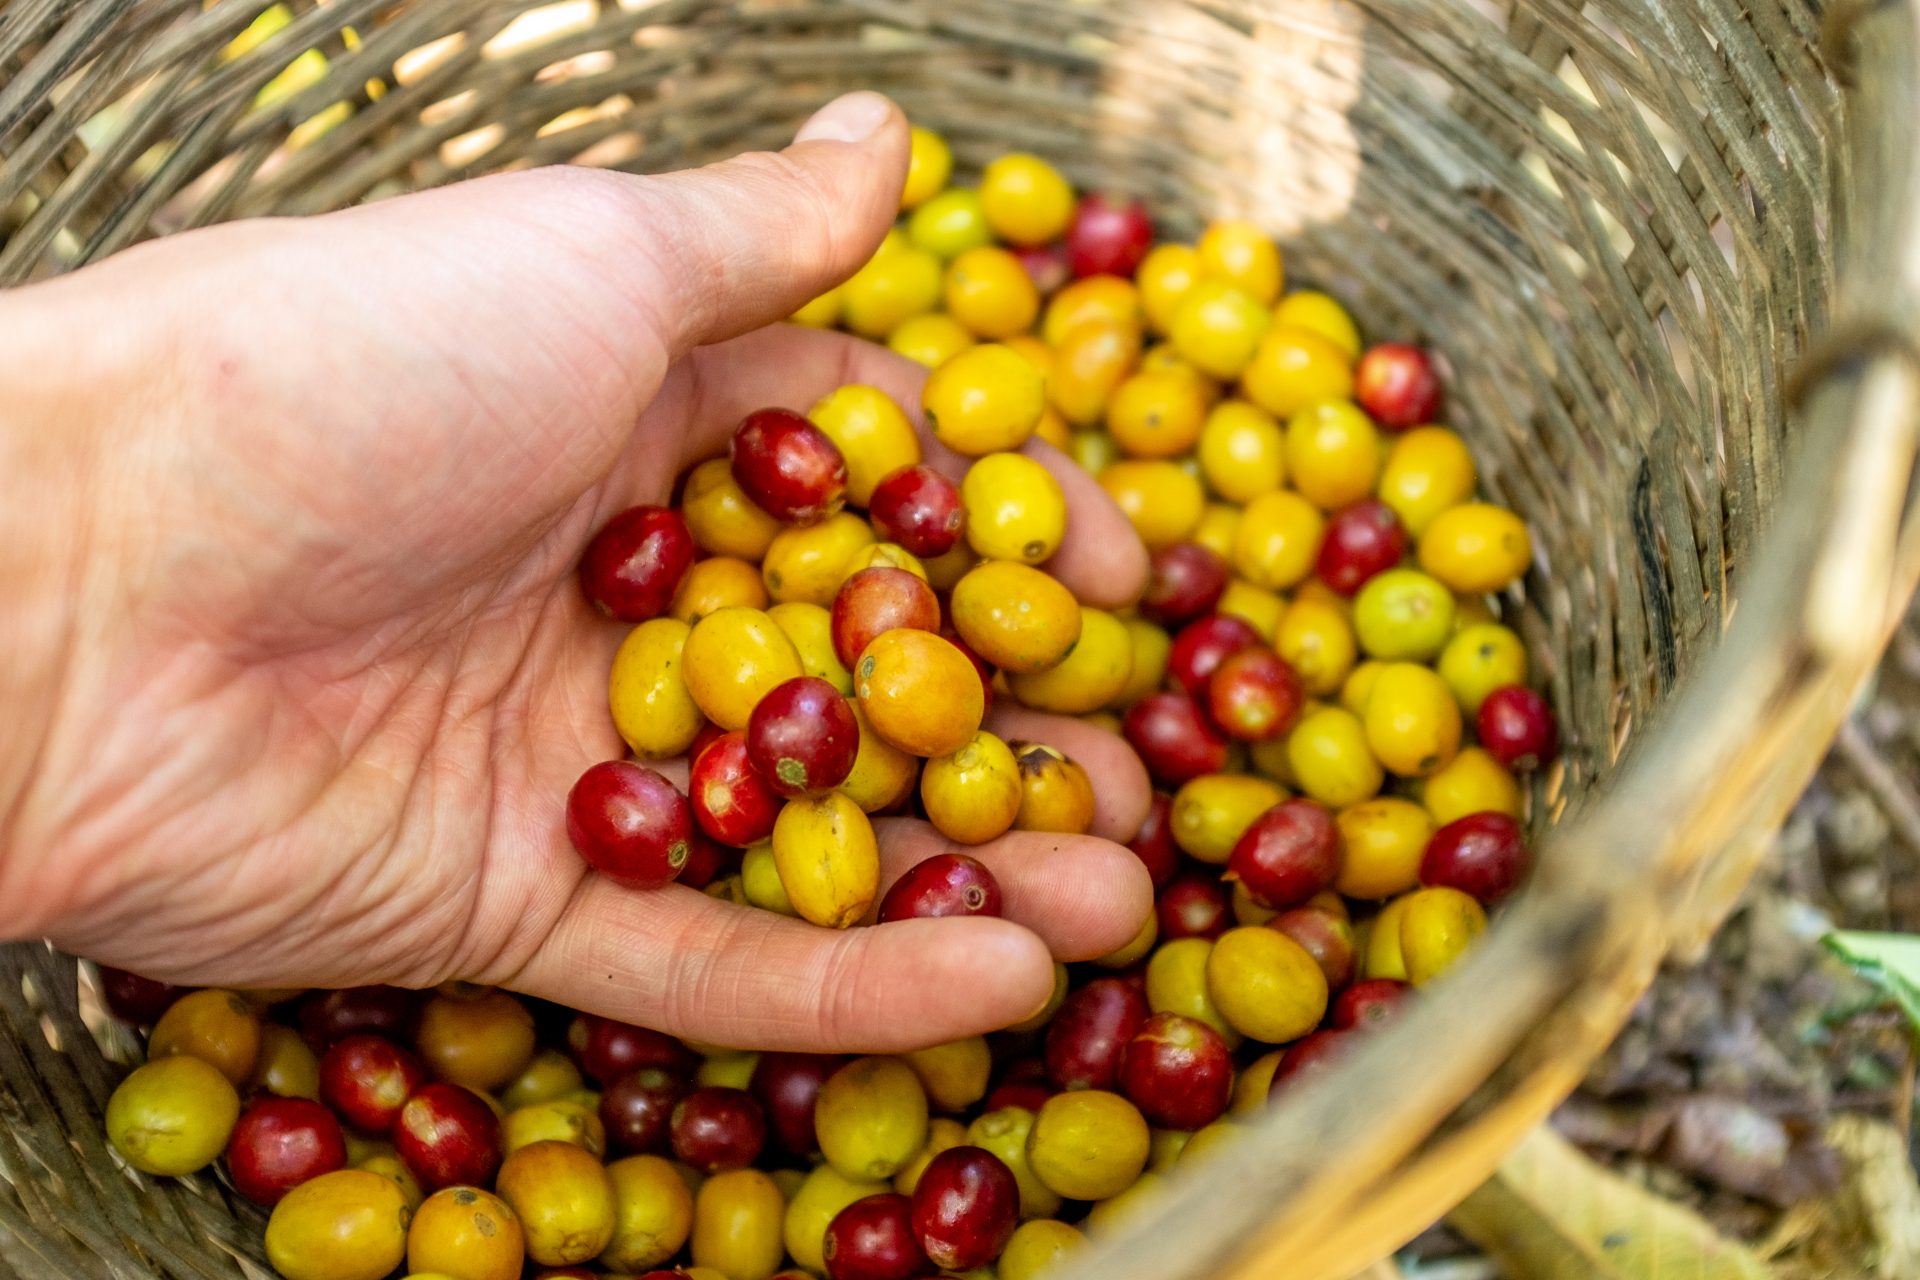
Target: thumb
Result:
[748, 241]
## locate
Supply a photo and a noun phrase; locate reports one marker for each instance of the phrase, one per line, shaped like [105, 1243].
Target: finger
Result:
[743, 243]
[1121, 791]
[679, 961]
[1084, 896]
[786, 366]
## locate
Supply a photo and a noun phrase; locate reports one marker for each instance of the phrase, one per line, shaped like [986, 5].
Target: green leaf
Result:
[1890, 961]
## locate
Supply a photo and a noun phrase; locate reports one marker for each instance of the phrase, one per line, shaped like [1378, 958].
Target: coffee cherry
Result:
[731, 800]
[1089, 1034]
[608, 1050]
[366, 1079]
[1202, 646]
[876, 600]
[280, 1143]
[629, 824]
[1482, 854]
[965, 1207]
[1109, 235]
[633, 566]
[1368, 1004]
[1153, 843]
[788, 466]
[637, 1110]
[920, 509]
[134, 999]
[802, 736]
[1361, 541]
[718, 1128]
[448, 1136]
[947, 884]
[1193, 905]
[873, 1239]
[1255, 695]
[1174, 738]
[1290, 853]
[1396, 385]
[1184, 581]
[787, 1084]
[1517, 728]
[1178, 1071]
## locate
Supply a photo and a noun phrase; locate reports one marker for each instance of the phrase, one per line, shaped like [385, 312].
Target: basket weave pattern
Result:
[1619, 223]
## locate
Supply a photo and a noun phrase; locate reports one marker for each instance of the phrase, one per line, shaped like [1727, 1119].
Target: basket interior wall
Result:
[1608, 217]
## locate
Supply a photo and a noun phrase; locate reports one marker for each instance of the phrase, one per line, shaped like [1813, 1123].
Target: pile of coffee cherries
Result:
[1317, 680]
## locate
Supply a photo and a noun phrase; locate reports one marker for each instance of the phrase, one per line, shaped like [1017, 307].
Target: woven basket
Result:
[1621, 222]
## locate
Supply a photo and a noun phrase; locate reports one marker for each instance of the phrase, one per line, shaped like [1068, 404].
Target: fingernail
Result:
[852, 117]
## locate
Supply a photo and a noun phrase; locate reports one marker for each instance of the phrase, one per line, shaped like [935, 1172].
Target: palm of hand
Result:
[348, 686]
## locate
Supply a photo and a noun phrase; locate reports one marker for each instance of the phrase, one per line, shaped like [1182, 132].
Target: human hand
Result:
[289, 515]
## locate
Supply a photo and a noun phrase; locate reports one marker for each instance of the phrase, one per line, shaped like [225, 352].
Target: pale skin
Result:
[296, 666]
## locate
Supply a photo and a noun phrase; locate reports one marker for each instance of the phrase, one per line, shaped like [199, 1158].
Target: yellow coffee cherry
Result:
[1328, 756]
[1278, 540]
[929, 164]
[949, 224]
[1092, 675]
[886, 555]
[810, 562]
[1266, 984]
[989, 292]
[1403, 615]
[1358, 686]
[1242, 451]
[873, 434]
[1318, 313]
[724, 521]
[1156, 415]
[1479, 659]
[1259, 608]
[1381, 957]
[1242, 255]
[1150, 646]
[986, 399]
[1027, 201]
[822, 312]
[1333, 454]
[1210, 813]
[718, 582]
[810, 627]
[1163, 502]
[1166, 276]
[1381, 843]
[1089, 363]
[1476, 548]
[1413, 723]
[894, 286]
[1095, 299]
[930, 340]
[731, 659]
[1436, 928]
[1015, 508]
[1218, 328]
[1317, 640]
[1219, 526]
[1472, 782]
[1428, 470]
[647, 692]
[1294, 368]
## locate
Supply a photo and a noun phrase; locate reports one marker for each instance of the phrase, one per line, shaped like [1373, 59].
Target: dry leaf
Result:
[1551, 1214]
[1869, 1229]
